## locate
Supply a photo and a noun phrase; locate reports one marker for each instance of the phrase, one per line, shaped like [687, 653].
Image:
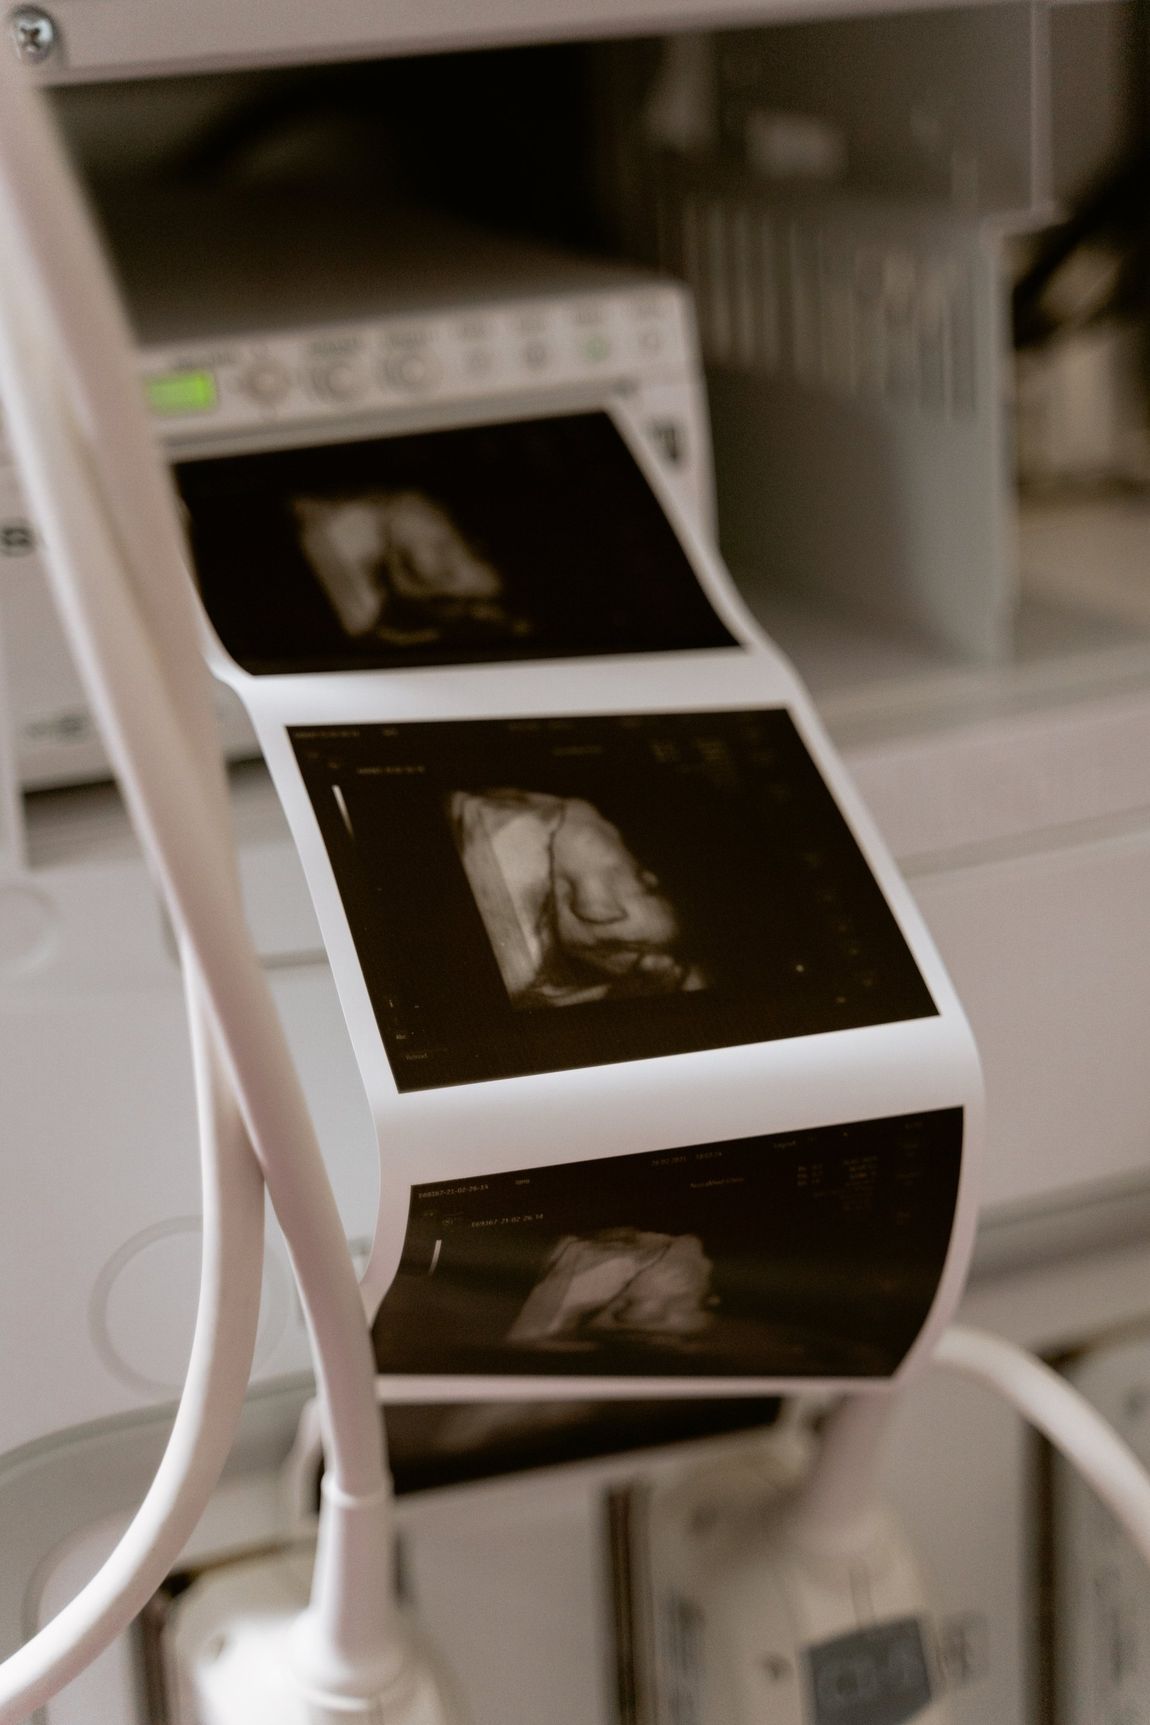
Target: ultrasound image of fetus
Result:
[397, 568]
[625, 1283]
[573, 916]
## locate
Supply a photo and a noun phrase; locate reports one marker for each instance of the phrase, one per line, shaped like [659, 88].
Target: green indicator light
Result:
[181, 391]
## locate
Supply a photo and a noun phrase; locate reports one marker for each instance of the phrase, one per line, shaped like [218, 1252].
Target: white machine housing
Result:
[1016, 806]
[731, 1611]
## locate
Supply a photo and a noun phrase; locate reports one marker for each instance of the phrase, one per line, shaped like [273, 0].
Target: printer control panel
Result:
[592, 342]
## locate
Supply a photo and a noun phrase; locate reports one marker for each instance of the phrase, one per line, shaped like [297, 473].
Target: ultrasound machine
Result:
[595, 1002]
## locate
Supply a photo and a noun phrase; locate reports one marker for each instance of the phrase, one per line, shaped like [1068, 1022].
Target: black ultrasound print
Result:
[804, 1254]
[528, 540]
[538, 895]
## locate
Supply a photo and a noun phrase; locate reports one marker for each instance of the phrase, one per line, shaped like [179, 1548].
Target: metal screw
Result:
[34, 34]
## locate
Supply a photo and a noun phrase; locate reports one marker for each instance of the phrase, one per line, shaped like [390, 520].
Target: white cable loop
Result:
[210, 1405]
[122, 589]
[1063, 1415]
[842, 1489]
[131, 672]
[218, 1368]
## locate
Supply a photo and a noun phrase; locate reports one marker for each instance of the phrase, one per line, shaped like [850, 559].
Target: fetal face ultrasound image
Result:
[572, 914]
[535, 539]
[539, 895]
[807, 1254]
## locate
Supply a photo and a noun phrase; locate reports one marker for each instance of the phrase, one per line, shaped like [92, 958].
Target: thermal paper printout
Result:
[527, 540]
[811, 1254]
[673, 1096]
[535, 895]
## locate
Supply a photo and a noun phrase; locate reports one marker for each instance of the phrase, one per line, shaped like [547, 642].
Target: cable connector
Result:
[240, 1651]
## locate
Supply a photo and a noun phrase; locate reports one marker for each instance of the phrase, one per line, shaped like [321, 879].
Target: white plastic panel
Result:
[926, 103]
[1009, 784]
[99, 1141]
[869, 466]
[126, 38]
[1048, 954]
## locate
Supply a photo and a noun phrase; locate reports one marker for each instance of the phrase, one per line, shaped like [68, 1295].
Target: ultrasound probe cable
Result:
[105, 508]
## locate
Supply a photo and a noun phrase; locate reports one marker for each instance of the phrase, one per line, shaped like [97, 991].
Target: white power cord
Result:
[108, 518]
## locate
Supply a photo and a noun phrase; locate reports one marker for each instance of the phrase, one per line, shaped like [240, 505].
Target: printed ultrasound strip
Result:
[470, 545]
[812, 1254]
[448, 1443]
[540, 895]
